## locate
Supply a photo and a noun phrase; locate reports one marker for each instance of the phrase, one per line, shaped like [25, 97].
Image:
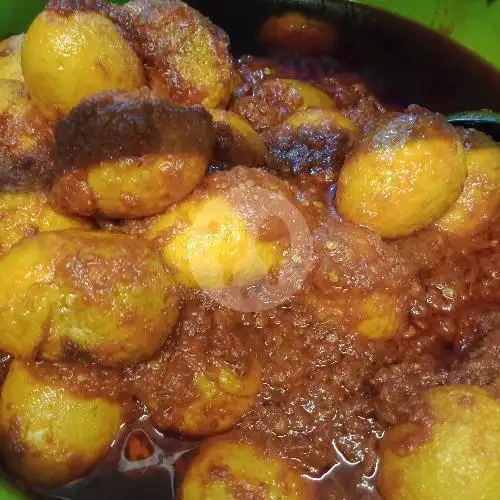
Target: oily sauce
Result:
[327, 396]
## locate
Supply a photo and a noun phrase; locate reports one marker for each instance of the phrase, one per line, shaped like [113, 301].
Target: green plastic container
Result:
[473, 23]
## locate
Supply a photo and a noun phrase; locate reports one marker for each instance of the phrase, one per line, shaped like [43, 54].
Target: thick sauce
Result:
[327, 396]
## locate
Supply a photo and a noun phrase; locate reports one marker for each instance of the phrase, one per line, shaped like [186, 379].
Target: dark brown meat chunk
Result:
[111, 126]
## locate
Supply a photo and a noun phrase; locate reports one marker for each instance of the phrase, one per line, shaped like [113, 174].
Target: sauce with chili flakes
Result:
[328, 397]
[327, 394]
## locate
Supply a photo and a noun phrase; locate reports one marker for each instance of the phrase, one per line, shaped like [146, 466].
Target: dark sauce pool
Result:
[143, 463]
